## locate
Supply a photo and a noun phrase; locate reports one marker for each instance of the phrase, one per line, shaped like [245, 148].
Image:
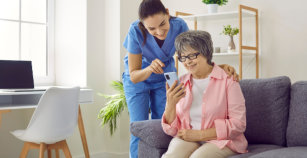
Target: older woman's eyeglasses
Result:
[190, 56]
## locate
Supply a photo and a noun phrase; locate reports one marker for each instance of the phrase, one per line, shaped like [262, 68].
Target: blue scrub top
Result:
[151, 50]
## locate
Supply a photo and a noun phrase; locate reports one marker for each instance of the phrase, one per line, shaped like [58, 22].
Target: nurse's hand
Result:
[231, 71]
[174, 94]
[156, 66]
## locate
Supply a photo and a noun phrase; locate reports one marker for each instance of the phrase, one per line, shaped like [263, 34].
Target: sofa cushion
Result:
[291, 152]
[147, 151]
[297, 125]
[267, 104]
[254, 149]
[151, 132]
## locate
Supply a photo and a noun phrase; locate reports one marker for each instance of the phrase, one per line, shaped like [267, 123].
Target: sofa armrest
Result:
[151, 132]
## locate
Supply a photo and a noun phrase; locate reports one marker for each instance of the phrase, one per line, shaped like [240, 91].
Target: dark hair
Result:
[148, 8]
[198, 40]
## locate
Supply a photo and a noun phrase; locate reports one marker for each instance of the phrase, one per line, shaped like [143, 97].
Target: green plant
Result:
[115, 105]
[219, 2]
[228, 30]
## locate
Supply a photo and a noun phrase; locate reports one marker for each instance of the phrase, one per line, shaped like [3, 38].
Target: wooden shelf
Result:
[233, 54]
[217, 16]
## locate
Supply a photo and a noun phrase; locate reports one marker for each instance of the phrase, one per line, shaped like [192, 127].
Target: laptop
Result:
[17, 76]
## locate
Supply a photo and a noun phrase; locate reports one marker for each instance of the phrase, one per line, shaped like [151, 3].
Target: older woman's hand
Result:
[190, 135]
[174, 94]
[231, 71]
[197, 135]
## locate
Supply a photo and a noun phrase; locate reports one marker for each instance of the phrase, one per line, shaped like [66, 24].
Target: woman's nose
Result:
[159, 32]
[188, 60]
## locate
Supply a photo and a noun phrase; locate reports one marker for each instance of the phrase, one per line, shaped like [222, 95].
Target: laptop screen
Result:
[16, 74]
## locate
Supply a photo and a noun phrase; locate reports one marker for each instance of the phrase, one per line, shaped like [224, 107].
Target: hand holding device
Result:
[173, 92]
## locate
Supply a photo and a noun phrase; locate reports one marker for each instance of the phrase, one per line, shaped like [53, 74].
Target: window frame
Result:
[49, 79]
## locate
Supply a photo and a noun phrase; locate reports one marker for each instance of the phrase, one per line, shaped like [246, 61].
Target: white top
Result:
[198, 89]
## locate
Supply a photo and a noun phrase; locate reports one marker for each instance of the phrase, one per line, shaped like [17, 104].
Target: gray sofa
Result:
[276, 114]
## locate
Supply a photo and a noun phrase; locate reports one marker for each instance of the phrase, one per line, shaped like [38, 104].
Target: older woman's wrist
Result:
[208, 134]
[170, 109]
[169, 114]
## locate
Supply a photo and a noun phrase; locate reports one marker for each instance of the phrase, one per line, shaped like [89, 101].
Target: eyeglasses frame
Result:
[190, 57]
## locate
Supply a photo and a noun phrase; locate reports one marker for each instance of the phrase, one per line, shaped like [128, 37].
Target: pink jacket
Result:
[223, 108]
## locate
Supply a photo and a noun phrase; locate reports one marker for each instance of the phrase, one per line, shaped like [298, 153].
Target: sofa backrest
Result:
[297, 124]
[267, 104]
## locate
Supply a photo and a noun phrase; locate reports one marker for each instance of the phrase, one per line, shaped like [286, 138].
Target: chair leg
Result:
[66, 149]
[49, 153]
[42, 149]
[25, 150]
[56, 146]
[57, 155]
[82, 134]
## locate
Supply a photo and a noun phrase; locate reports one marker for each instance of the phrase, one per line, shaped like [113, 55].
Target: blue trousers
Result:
[140, 97]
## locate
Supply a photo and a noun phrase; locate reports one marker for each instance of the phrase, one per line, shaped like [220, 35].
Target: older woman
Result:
[205, 113]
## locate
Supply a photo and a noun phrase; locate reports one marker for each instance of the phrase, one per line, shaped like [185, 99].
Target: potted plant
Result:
[213, 4]
[114, 106]
[228, 30]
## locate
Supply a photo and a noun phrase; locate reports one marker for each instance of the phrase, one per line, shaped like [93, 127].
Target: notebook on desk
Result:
[17, 76]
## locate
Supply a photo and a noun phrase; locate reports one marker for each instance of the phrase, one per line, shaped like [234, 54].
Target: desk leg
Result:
[1, 112]
[82, 134]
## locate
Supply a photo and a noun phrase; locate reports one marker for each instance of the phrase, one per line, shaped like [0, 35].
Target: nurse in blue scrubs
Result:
[150, 46]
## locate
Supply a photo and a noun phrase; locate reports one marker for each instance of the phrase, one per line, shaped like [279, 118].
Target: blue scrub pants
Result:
[140, 97]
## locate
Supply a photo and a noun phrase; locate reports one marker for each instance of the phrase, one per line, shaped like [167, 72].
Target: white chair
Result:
[54, 120]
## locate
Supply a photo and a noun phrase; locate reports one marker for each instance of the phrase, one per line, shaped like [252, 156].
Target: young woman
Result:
[206, 112]
[150, 46]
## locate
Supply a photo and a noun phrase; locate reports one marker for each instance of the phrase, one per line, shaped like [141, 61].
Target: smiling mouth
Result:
[161, 36]
[191, 66]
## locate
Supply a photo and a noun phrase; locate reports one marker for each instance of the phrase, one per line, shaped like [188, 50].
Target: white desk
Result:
[25, 100]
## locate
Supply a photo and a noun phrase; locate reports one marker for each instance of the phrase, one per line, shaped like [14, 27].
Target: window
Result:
[26, 33]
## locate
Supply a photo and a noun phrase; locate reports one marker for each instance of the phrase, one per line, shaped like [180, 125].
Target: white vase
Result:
[212, 8]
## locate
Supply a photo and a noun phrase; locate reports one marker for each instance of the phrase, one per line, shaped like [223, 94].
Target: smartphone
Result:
[171, 77]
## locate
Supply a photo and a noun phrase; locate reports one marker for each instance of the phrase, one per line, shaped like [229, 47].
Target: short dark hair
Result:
[198, 40]
[148, 8]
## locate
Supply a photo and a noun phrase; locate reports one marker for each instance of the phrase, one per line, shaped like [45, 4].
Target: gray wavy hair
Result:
[198, 40]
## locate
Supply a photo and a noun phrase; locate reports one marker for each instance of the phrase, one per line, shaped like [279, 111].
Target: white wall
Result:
[108, 23]
[70, 42]
[70, 54]
[103, 66]
[284, 37]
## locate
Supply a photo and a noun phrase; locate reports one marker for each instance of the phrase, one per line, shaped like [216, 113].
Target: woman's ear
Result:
[167, 11]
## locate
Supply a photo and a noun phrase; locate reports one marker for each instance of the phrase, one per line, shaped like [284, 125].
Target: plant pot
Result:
[212, 8]
[231, 45]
